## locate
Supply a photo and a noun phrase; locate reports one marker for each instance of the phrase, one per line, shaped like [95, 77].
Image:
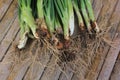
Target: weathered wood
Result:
[11, 49]
[113, 53]
[106, 12]
[37, 68]
[5, 70]
[67, 75]
[75, 77]
[4, 5]
[110, 60]
[114, 21]
[12, 71]
[19, 70]
[4, 46]
[52, 72]
[97, 5]
[6, 65]
[116, 71]
[92, 75]
[8, 20]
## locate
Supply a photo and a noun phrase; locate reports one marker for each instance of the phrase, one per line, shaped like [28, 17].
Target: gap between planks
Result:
[111, 22]
[110, 59]
[6, 65]
[5, 44]
[4, 6]
[8, 20]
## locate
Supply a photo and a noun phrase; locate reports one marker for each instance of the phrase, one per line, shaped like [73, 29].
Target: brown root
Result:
[95, 26]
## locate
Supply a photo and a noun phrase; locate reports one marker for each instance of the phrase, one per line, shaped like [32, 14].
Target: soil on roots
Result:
[77, 56]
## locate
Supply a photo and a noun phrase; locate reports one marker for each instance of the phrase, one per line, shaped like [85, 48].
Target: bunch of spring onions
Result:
[54, 17]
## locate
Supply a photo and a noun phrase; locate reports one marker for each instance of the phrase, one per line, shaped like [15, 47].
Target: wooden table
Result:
[106, 67]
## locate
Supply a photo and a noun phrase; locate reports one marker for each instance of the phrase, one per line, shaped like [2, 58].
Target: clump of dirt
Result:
[67, 56]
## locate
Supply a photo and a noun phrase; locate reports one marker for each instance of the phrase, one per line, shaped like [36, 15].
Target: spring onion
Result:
[54, 17]
[49, 15]
[91, 14]
[27, 22]
[85, 15]
[71, 17]
[79, 16]
[61, 6]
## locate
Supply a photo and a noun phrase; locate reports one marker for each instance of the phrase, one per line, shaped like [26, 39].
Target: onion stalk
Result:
[57, 25]
[40, 14]
[54, 17]
[91, 15]
[71, 17]
[79, 16]
[49, 15]
[61, 6]
[27, 22]
[85, 15]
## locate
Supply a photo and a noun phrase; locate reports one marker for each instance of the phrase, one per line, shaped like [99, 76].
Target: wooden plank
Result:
[92, 74]
[5, 70]
[113, 53]
[97, 5]
[97, 65]
[113, 22]
[75, 78]
[106, 12]
[14, 70]
[8, 20]
[4, 5]
[52, 72]
[11, 49]
[110, 60]
[37, 68]
[4, 46]
[20, 73]
[67, 75]
[116, 71]
[7, 64]
[19, 70]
